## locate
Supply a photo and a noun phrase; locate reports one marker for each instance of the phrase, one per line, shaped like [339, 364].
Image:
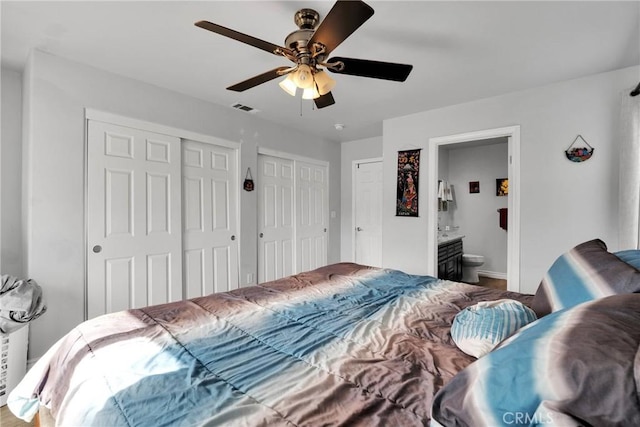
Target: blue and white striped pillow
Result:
[630, 256]
[477, 329]
[573, 367]
[584, 273]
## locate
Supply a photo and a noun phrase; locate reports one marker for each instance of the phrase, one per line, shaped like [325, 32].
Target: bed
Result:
[345, 344]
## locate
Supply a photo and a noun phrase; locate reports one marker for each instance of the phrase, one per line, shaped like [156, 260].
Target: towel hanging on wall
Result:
[444, 191]
[503, 218]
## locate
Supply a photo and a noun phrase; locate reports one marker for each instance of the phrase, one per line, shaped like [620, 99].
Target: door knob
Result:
[233, 237]
[97, 249]
[261, 235]
[358, 229]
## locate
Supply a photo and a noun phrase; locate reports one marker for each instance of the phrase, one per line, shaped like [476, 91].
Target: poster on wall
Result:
[502, 187]
[408, 176]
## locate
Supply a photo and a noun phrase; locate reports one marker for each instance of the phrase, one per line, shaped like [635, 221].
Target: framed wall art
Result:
[502, 187]
[407, 183]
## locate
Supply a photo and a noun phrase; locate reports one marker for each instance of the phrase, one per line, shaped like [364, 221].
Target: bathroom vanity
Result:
[450, 257]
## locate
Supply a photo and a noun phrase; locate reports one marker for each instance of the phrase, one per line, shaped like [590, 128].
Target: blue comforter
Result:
[341, 345]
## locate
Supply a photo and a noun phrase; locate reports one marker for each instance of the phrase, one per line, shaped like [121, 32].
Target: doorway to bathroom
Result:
[479, 173]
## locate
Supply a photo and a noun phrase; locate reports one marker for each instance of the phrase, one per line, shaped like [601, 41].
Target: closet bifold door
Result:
[134, 236]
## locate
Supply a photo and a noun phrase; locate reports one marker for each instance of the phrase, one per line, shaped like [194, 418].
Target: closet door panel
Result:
[210, 235]
[311, 213]
[276, 212]
[133, 218]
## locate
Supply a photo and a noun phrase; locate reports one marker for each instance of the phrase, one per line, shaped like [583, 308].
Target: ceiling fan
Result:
[309, 47]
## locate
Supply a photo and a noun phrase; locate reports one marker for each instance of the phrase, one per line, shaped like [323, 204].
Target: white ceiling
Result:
[461, 51]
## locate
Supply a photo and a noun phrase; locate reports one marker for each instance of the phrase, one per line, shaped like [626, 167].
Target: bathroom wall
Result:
[477, 213]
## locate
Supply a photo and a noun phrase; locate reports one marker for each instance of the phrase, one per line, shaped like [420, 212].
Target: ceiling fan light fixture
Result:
[309, 47]
[303, 77]
[288, 85]
[310, 93]
[324, 82]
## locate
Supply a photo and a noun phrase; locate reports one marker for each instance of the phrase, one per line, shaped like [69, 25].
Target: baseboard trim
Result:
[31, 362]
[492, 274]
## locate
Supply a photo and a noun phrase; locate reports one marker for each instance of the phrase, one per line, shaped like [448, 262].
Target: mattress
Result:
[345, 344]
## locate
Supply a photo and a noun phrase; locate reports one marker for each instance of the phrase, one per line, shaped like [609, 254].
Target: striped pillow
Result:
[630, 256]
[574, 367]
[477, 329]
[584, 273]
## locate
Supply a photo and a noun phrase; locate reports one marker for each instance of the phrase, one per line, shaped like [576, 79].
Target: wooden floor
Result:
[493, 283]
[8, 420]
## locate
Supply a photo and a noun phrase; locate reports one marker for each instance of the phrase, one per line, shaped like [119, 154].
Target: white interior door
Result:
[276, 215]
[368, 213]
[209, 201]
[311, 213]
[133, 218]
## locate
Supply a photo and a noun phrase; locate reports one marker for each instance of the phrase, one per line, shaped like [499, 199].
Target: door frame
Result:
[513, 222]
[354, 167]
[116, 119]
[297, 158]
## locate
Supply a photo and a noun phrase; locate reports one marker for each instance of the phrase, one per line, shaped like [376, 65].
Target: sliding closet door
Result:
[133, 218]
[276, 216]
[210, 218]
[311, 214]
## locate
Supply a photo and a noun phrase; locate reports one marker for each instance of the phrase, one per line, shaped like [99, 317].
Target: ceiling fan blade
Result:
[324, 100]
[257, 80]
[241, 37]
[373, 69]
[343, 19]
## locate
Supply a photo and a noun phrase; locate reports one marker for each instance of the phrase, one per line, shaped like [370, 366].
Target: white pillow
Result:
[477, 329]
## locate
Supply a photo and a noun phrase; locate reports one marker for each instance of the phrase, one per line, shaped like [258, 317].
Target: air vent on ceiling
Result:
[245, 108]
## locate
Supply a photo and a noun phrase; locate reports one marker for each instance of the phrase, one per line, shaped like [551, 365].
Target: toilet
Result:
[470, 264]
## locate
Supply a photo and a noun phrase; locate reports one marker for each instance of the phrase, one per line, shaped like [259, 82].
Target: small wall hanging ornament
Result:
[248, 181]
[579, 154]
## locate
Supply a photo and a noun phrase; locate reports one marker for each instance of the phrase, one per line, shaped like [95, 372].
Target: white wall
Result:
[56, 93]
[562, 203]
[11, 170]
[360, 149]
[477, 214]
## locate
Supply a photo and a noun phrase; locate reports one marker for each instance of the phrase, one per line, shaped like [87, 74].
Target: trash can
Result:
[13, 360]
